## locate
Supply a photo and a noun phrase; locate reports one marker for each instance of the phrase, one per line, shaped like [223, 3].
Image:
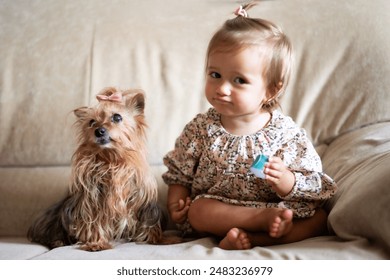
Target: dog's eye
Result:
[92, 123]
[116, 118]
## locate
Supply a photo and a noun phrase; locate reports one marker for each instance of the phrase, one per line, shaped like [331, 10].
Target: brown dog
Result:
[112, 194]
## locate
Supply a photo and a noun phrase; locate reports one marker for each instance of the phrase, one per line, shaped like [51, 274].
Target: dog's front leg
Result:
[95, 241]
[91, 239]
[94, 246]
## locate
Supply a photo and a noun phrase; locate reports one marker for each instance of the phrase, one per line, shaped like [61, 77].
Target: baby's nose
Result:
[224, 89]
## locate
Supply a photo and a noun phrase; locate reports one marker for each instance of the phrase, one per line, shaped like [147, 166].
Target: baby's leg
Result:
[302, 229]
[238, 239]
[218, 218]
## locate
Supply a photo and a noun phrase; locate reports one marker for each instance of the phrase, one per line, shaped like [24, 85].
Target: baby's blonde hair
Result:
[243, 31]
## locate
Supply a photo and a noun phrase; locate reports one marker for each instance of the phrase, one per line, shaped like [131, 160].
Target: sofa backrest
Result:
[55, 56]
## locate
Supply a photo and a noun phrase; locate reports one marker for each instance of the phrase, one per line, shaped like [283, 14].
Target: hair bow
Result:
[240, 11]
[112, 96]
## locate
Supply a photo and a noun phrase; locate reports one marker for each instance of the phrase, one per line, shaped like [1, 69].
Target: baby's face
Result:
[235, 85]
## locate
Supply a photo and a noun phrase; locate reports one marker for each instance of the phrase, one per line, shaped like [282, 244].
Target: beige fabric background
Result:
[56, 55]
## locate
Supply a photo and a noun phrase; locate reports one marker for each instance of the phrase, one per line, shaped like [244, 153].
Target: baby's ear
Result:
[135, 101]
[82, 112]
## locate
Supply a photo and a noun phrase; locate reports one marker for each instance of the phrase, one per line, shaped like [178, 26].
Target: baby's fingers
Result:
[183, 204]
[272, 174]
[274, 164]
[181, 215]
[180, 205]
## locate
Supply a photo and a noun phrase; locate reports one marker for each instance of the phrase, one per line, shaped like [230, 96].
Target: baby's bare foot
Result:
[235, 239]
[281, 224]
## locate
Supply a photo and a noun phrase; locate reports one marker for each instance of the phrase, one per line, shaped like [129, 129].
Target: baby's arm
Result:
[280, 178]
[299, 175]
[178, 203]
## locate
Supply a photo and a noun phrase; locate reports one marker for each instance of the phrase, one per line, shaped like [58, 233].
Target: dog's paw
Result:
[167, 240]
[56, 243]
[95, 246]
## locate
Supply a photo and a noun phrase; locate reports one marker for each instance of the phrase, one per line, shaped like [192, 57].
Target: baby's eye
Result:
[92, 123]
[240, 81]
[116, 118]
[215, 75]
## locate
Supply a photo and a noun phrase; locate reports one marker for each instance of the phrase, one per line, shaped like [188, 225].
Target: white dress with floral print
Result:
[215, 164]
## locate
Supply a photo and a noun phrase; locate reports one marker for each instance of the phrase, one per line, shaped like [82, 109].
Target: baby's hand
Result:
[279, 176]
[178, 211]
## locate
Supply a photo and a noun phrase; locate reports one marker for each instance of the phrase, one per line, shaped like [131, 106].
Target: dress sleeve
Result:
[183, 160]
[311, 183]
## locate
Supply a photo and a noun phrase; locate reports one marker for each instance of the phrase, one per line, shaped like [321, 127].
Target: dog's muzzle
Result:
[102, 136]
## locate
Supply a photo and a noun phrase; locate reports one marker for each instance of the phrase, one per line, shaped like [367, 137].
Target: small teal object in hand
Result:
[257, 167]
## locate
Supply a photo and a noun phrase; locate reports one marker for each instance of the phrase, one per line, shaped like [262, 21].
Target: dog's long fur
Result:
[112, 193]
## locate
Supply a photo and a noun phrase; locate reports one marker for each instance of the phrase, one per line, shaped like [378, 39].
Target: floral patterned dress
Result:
[215, 164]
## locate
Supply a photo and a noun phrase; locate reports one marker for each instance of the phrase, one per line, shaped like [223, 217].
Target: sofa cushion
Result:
[26, 192]
[360, 163]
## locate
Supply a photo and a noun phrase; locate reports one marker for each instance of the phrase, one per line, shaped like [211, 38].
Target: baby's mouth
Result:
[221, 101]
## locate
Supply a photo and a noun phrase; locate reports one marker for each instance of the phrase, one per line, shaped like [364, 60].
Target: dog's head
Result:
[117, 122]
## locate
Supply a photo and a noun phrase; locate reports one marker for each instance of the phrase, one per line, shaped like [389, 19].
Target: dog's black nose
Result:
[100, 132]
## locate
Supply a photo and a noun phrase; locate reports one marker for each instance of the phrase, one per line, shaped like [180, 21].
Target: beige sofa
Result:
[56, 55]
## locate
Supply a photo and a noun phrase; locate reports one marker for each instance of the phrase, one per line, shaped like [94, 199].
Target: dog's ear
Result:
[135, 101]
[82, 112]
